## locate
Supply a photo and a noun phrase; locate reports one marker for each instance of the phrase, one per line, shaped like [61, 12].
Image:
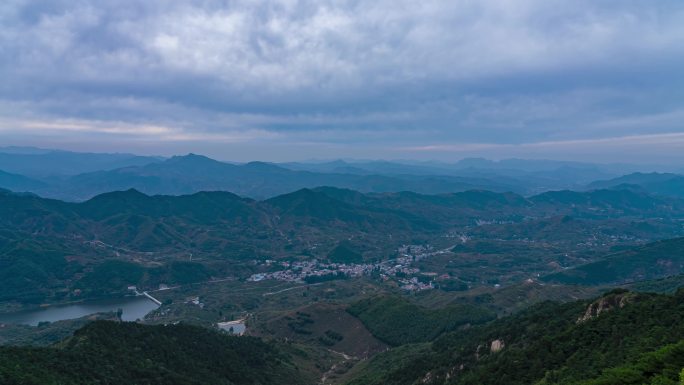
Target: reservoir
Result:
[133, 308]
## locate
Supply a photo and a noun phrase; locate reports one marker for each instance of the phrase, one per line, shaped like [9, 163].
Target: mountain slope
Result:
[546, 344]
[396, 321]
[537, 174]
[127, 353]
[16, 182]
[54, 163]
[654, 260]
[48, 246]
[666, 184]
[605, 202]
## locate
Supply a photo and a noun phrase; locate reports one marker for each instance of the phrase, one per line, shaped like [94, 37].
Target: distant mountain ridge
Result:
[538, 175]
[79, 176]
[193, 173]
[16, 182]
[40, 163]
[667, 184]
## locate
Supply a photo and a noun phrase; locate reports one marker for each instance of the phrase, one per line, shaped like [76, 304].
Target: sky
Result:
[282, 80]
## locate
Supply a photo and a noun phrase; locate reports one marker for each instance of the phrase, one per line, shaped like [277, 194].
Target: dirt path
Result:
[291, 288]
[326, 375]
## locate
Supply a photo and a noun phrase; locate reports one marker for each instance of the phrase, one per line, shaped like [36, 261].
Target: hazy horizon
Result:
[32, 150]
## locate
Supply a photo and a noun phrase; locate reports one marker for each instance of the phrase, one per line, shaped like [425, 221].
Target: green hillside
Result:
[17, 182]
[50, 248]
[129, 353]
[397, 321]
[662, 367]
[549, 343]
[665, 184]
[344, 253]
[651, 261]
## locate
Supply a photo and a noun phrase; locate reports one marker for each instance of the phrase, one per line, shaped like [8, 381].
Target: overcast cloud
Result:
[283, 80]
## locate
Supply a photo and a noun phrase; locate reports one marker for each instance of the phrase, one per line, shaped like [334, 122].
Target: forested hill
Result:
[665, 184]
[106, 352]
[49, 248]
[654, 260]
[396, 321]
[620, 338]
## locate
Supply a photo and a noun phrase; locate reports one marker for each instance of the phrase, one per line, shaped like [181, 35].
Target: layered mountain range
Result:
[455, 266]
[48, 245]
[80, 176]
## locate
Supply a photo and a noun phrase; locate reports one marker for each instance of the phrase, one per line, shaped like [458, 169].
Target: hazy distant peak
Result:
[190, 158]
[121, 195]
[16, 182]
[25, 150]
[475, 162]
[305, 196]
[654, 182]
[263, 166]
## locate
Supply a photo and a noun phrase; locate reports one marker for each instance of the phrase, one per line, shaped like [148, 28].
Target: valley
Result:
[301, 192]
[115, 240]
[341, 285]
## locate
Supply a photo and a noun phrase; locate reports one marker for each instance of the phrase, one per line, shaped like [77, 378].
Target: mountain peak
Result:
[124, 195]
[304, 196]
[264, 166]
[193, 164]
[191, 158]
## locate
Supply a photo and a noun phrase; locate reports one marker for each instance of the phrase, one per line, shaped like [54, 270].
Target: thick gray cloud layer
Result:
[396, 79]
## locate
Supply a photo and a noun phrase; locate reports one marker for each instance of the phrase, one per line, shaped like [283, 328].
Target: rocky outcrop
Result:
[496, 346]
[609, 302]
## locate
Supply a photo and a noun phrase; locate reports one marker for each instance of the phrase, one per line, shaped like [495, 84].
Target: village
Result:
[399, 269]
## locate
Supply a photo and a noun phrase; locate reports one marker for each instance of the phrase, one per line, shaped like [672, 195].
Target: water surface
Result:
[133, 308]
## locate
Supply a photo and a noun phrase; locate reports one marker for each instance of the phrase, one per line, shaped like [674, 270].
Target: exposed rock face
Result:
[607, 303]
[497, 346]
[428, 378]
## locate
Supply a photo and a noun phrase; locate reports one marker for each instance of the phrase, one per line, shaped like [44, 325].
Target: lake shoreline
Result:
[4, 309]
[133, 307]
